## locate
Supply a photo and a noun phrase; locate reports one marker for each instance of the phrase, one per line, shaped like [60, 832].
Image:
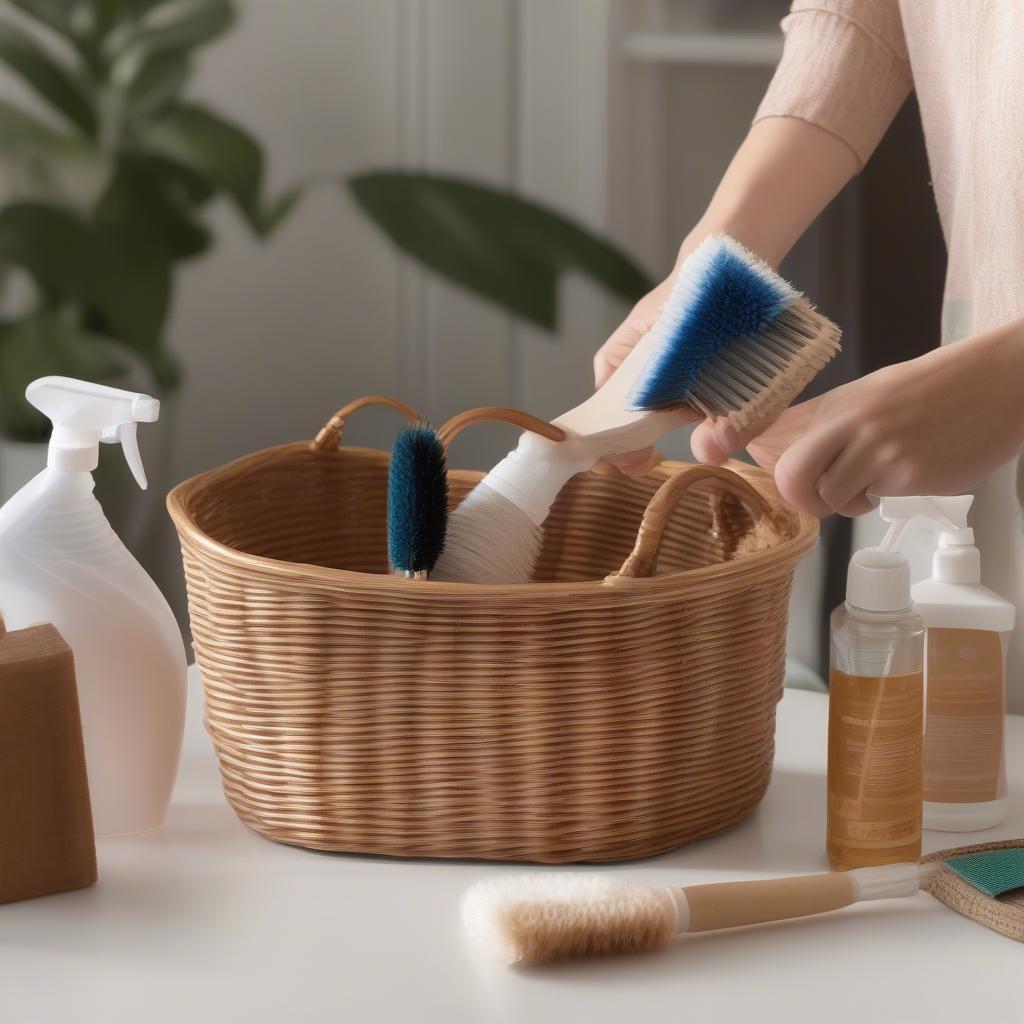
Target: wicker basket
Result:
[600, 714]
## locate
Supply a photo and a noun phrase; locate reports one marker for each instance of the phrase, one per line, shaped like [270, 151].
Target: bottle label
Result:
[963, 752]
[875, 748]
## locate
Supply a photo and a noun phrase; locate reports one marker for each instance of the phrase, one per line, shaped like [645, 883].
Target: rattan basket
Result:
[604, 712]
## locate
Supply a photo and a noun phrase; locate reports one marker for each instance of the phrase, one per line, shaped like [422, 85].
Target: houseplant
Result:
[111, 170]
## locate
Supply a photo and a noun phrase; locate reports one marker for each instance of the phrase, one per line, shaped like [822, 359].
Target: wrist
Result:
[748, 229]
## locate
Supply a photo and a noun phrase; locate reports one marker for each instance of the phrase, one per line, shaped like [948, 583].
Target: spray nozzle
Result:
[945, 514]
[957, 560]
[84, 414]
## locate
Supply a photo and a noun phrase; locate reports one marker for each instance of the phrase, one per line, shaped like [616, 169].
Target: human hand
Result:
[933, 425]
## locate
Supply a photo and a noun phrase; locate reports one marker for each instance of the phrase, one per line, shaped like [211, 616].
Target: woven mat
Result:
[1003, 914]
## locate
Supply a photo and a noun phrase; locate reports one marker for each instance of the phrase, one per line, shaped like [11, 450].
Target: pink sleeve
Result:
[844, 68]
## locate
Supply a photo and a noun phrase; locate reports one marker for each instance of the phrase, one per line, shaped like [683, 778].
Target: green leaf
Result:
[278, 210]
[24, 134]
[193, 188]
[157, 85]
[213, 147]
[59, 15]
[24, 55]
[175, 25]
[127, 292]
[225, 155]
[134, 296]
[78, 22]
[38, 346]
[498, 245]
[109, 14]
[148, 216]
[53, 244]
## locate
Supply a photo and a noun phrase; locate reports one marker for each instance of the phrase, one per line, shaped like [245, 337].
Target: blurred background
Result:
[259, 210]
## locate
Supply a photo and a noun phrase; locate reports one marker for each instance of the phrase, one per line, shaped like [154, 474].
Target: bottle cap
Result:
[956, 559]
[878, 581]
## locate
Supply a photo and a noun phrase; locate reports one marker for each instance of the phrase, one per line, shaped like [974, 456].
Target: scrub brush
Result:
[534, 919]
[734, 340]
[417, 501]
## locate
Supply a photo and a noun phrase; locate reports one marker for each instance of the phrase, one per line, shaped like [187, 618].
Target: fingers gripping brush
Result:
[734, 341]
[535, 919]
[417, 501]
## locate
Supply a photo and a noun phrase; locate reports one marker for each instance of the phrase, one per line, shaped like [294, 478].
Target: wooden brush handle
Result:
[644, 557]
[330, 435]
[732, 904]
[498, 414]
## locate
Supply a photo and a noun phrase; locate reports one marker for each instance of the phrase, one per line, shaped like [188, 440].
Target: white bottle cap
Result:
[878, 581]
[956, 559]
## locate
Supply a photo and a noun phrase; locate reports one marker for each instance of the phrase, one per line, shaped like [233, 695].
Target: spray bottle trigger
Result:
[127, 434]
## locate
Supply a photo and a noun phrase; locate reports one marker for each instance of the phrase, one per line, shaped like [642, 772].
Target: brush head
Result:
[738, 340]
[534, 919]
[490, 540]
[417, 501]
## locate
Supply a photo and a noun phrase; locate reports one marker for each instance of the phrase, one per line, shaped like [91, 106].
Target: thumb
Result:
[713, 441]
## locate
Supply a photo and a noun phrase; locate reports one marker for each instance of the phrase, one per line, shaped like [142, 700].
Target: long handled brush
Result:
[734, 340]
[534, 919]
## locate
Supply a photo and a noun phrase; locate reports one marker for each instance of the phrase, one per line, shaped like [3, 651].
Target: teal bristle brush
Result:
[537, 918]
[734, 341]
[417, 501]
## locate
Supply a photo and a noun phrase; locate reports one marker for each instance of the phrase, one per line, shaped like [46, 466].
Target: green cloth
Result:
[992, 871]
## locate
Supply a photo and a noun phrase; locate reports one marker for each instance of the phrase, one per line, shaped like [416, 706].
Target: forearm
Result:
[995, 360]
[783, 175]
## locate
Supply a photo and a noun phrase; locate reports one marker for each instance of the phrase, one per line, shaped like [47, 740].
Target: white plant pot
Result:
[19, 462]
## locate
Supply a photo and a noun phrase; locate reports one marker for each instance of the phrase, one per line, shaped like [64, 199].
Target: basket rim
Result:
[790, 551]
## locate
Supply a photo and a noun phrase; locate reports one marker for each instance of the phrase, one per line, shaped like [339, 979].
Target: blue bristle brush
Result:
[417, 501]
[734, 341]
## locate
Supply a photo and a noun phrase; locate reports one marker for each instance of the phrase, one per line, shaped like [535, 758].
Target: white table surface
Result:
[207, 921]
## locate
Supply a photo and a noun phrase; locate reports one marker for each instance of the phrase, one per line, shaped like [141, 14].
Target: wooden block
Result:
[46, 836]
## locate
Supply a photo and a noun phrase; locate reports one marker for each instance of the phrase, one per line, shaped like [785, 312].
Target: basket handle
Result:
[330, 434]
[498, 414]
[644, 556]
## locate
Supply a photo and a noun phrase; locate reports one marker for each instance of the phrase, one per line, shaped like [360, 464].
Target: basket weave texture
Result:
[618, 707]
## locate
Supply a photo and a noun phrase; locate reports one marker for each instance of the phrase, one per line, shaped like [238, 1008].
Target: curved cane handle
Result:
[330, 434]
[644, 556]
[498, 414]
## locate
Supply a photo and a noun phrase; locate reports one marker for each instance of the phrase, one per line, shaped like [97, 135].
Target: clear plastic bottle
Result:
[876, 717]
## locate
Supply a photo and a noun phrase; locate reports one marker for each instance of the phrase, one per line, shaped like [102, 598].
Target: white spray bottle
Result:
[61, 562]
[965, 669]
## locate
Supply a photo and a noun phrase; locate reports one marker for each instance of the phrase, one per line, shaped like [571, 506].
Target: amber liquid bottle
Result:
[876, 717]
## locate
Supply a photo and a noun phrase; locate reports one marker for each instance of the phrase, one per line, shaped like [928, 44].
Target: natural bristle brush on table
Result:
[534, 919]
[734, 341]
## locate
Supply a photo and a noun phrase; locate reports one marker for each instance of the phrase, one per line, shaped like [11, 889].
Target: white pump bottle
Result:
[61, 562]
[965, 669]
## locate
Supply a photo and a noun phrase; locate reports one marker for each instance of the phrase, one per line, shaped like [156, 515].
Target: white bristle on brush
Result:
[500, 546]
[535, 919]
[734, 341]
